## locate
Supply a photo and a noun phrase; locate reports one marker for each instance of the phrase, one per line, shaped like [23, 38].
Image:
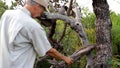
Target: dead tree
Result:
[103, 33]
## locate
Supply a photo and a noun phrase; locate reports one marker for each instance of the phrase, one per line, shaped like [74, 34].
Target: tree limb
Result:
[65, 25]
[77, 55]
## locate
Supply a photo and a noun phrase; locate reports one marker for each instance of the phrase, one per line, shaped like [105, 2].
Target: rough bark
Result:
[103, 34]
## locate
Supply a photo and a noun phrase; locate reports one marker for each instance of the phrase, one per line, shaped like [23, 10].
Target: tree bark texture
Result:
[103, 33]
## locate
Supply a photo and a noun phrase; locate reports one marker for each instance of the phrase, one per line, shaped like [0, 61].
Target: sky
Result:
[114, 5]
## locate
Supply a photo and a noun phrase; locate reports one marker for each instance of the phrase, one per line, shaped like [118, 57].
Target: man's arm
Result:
[54, 53]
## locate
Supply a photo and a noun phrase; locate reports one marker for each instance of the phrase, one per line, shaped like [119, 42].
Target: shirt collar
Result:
[25, 11]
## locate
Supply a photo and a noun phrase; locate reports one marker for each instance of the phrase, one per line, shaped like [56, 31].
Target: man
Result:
[22, 38]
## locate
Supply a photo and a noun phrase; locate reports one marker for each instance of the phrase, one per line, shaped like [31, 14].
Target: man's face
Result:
[38, 10]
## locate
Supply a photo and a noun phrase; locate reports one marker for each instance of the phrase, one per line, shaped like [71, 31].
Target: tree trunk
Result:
[103, 34]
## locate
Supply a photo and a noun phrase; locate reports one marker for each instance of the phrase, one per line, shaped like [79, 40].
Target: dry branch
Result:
[65, 24]
[77, 55]
[77, 26]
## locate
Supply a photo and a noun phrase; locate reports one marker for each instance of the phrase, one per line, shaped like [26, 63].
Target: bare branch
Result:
[64, 31]
[84, 40]
[52, 29]
[77, 55]
[65, 25]
[70, 7]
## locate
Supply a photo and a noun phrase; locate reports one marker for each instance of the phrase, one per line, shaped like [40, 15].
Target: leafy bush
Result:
[115, 39]
[3, 7]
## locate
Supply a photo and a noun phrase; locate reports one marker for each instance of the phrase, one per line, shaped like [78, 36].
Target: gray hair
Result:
[31, 2]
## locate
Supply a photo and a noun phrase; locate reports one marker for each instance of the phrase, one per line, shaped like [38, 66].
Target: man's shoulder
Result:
[8, 13]
[30, 23]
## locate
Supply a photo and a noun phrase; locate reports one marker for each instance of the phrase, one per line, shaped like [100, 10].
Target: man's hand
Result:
[68, 60]
[54, 53]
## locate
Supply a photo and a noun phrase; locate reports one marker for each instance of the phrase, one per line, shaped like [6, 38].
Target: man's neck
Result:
[30, 9]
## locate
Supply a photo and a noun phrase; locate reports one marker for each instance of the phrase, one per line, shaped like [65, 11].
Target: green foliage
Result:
[88, 20]
[89, 26]
[14, 4]
[85, 12]
[71, 40]
[115, 62]
[115, 39]
[43, 64]
[91, 35]
[3, 7]
[115, 32]
[80, 63]
[115, 18]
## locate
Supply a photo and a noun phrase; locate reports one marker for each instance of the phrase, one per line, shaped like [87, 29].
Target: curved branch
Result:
[63, 34]
[83, 51]
[72, 22]
[52, 29]
[65, 25]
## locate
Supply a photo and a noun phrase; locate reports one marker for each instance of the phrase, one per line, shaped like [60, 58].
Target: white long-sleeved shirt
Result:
[21, 39]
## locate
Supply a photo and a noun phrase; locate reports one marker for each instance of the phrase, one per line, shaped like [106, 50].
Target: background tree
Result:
[103, 34]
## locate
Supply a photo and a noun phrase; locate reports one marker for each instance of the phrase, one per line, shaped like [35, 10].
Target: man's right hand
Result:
[54, 53]
[68, 60]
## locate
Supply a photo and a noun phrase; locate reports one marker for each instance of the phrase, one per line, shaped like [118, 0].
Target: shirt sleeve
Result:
[40, 41]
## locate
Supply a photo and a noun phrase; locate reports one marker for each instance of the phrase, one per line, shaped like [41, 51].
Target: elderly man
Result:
[22, 38]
